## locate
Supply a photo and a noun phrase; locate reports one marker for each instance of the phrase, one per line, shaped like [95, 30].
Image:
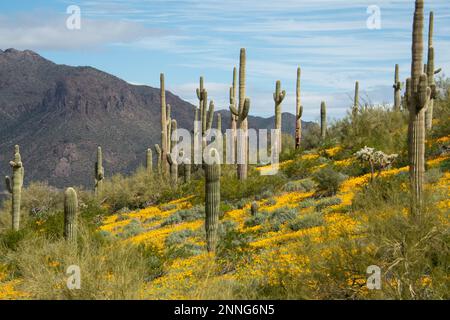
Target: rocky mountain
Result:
[58, 115]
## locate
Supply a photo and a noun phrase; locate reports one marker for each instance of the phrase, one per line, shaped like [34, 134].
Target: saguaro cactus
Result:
[212, 203]
[233, 117]
[356, 100]
[418, 97]
[430, 71]
[164, 135]
[172, 160]
[323, 120]
[99, 173]
[70, 215]
[298, 113]
[159, 158]
[278, 98]
[149, 161]
[241, 113]
[397, 89]
[14, 186]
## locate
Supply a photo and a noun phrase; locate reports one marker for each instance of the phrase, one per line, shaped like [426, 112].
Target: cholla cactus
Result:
[377, 160]
[14, 186]
[70, 215]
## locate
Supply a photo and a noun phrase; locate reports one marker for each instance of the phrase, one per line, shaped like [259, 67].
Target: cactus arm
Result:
[9, 184]
[210, 118]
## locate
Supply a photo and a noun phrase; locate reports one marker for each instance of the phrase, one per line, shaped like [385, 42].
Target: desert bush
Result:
[133, 228]
[328, 181]
[304, 185]
[306, 221]
[233, 247]
[185, 215]
[327, 202]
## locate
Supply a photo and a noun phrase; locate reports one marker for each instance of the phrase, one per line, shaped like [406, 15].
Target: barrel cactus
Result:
[323, 120]
[278, 98]
[70, 215]
[99, 173]
[241, 114]
[212, 203]
[14, 186]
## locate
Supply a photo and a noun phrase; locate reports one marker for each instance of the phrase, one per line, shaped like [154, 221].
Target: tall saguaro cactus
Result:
[99, 173]
[14, 186]
[397, 89]
[323, 120]
[278, 97]
[241, 113]
[149, 161]
[173, 160]
[212, 203]
[70, 215]
[164, 134]
[430, 71]
[356, 100]
[418, 97]
[298, 112]
[233, 117]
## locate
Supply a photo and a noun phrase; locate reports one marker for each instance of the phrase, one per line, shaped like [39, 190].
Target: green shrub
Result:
[327, 202]
[185, 215]
[307, 221]
[328, 181]
[132, 229]
[304, 185]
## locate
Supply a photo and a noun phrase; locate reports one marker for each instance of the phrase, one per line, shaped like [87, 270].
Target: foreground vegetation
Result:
[309, 232]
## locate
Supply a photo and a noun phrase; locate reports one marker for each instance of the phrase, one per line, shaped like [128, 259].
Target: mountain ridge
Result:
[59, 114]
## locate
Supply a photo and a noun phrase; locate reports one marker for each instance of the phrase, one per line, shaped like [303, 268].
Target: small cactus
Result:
[99, 173]
[212, 203]
[14, 186]
[254, 208]
[70, 215]
[323, 120]
[149, 162]
[278, 98]
[299, 112]
[356, 100]
[159, 157]
[397, 89]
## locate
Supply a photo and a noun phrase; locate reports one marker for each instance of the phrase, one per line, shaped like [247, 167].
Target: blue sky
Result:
[136, 40]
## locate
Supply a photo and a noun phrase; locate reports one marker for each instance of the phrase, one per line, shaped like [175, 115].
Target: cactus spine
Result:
[164, 126]
[241, 113]
[356, 100]
[14, 186]
[299, 112]
[397, 89]
[278, 98]
[430, 71]
[149, 161]
[323, 120]
[99, 173]
[212, 203]
[418, 97]
[70, 215]
[170, 158]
